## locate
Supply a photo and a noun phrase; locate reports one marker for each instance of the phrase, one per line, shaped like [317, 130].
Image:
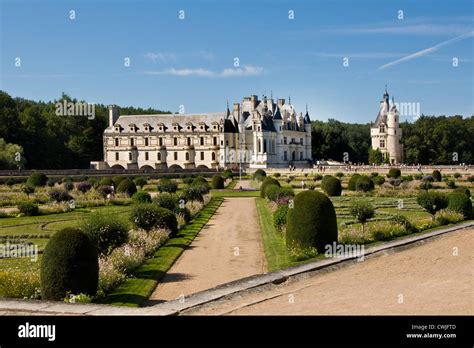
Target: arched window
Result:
[264, 145]
[213, 156]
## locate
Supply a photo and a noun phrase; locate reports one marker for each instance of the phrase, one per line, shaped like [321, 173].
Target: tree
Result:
[362, 211]
[375, 156]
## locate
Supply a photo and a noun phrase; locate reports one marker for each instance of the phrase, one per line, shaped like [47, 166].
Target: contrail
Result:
[426, 51]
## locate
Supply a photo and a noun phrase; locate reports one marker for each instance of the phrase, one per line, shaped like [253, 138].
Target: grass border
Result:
[135, 291]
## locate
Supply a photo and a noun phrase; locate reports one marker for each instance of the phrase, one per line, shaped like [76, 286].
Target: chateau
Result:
[386, 132]
[255, 134]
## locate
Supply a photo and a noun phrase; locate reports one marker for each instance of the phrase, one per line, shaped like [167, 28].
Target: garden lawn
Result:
[135, 291]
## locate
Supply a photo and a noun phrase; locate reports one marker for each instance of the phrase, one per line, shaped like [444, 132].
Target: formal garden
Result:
[299, 214]
[123, 232]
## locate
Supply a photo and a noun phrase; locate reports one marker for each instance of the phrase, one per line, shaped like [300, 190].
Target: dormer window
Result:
[132, 128]
[117, 128]
[161, 127]
[175, 127]
[146, 127]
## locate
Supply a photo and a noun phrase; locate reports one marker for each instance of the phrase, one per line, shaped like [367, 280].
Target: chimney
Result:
[281, 102]
[253, 102]
[114, 114]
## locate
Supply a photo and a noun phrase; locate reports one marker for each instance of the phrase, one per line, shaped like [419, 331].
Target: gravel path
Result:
[229, 247]
[422, 280]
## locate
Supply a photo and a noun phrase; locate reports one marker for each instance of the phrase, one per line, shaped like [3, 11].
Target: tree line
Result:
[45, 140]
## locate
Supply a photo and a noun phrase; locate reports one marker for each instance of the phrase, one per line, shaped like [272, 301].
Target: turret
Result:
[114, 114]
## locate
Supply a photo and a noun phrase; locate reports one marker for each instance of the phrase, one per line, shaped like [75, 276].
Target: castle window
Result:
[132, 142]
[222, 142]
[202, 156]
[382, 129]
[382, 143]
[264, 145]
[259, 146]
[160, 141]
[213, 156]
[214, 141]
[175, 156]
[175, 141]
[189, 141]
[129, 156]
[227, 142]
[116, 156]
[187, 156]
[285, 140]
[285, 156]
[146, 156]
[202, 141]
[158, 156]
[146, 141]
[116, 141]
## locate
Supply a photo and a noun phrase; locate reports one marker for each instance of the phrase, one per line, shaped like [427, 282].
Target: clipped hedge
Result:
[352, 182]
[436, 175]
[364, 184]
[332, 186]
[217, 182]
[149, 216]
[70, 264]
[311, 222]
[141, 197]
[459, 202]
[128, 187]
[37, 179]
[394, 173]
[267, 182]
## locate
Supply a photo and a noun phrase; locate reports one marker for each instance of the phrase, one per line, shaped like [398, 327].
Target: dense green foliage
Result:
[279, 217]
[267, 182]
[364, 184]
[394, 173]
[28, 208]
[51, 141]
[461, 203]
[167, 200]
[149, 216]
[167, 185]
[352, 182]
[37, 179]
[70, 264]
[436, 175]
[217, 182]
[106, 231]
[141, 197]
[432, 201]
[128, 187]
[362, 211]
[311, 222]
[331, 186]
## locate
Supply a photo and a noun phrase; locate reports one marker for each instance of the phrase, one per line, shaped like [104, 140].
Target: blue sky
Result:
[190, 62]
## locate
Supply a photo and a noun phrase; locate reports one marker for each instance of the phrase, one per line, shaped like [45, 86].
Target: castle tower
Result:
[386, 133]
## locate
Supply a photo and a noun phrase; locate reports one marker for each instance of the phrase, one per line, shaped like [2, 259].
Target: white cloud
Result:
[247, 70]
[426, 50]
[163, 57]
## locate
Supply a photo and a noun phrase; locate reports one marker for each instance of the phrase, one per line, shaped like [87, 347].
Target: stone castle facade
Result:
[386, 133]
[255, 134]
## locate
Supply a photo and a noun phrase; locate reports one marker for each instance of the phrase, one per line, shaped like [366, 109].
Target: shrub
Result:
[460, 203]
[352, 182]
[394, 173]
[365, 184]
[185, 212]
[432, 201]
[19, 283]
[436, 175]
[217, 182]
[37, 179]
[317, 177]
[105, 231]
[276, 175]
[188, 180]
[259, 175]
[457, 175]
[84, 186]
[464, 190]
[312, 222]
[68, 186]
[271, 192]
[51, 182]
[332, 186]
[28, 190]
[426, 185]
[106, 182]
[447, 216]
[200, 181]
[167, 200]
[193, 194]
[141, 197]
[279, 217]
[69, 265]
[149, 216]
[326, 177]
[395, 182]
[28, 208]
[59, 195]
[428, 178]
[299, 254]
[470, 178]
[117, 180]
[167, 185]
[451, 184]
[418, 176]
[267, 182]
[93, 182]
[10, 182]
[407, 178]
[140, 181]
[362, 211]
[339, 174]
[378, 180]
[105, 190]
[66, 179]
[402, 220]
[127, 186]
[374, 174]
[227, 174]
